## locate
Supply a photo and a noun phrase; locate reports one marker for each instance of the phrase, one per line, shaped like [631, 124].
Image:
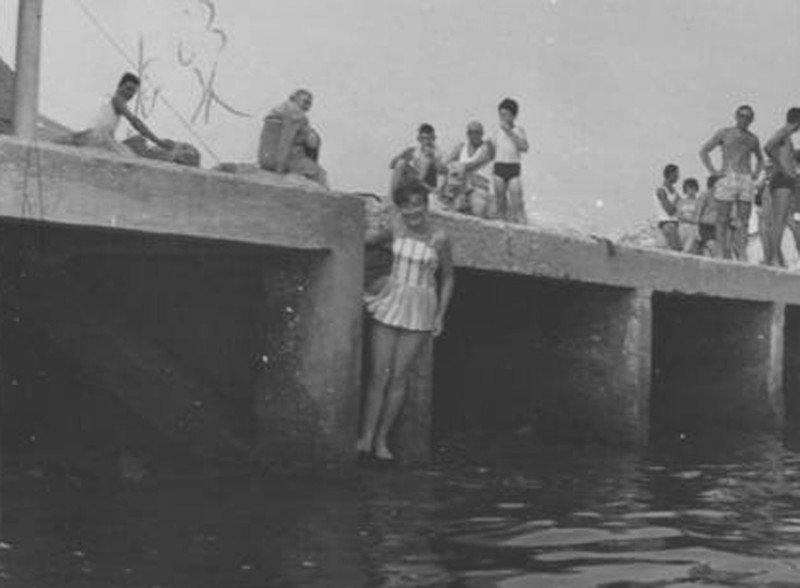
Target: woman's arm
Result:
[382, 234]
[446, 282]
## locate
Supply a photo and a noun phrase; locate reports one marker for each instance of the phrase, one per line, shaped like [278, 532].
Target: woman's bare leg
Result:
[407, 350]
[383, 343]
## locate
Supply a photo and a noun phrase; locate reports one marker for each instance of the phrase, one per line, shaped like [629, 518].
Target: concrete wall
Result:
[791, 366]
[717, 364]
[541, 252]
[241, 297]
[569, 360]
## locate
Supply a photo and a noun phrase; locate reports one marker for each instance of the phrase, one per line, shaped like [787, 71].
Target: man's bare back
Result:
[782, 153]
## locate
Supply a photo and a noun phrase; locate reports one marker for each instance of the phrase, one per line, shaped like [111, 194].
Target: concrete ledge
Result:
[57, 184]
[534, 251]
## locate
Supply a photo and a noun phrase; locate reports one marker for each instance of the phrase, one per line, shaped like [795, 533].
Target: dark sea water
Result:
[723, 510]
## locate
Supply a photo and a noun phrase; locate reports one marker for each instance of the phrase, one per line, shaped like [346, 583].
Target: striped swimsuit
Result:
[408, 299]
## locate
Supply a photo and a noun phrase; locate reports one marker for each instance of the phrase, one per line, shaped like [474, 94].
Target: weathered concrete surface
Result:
[717, 364]
[791, 365]
[305, 399]
[568, 361]
[596, 380]
[492, 246]
[192, 336]
[314, 419]
[50, 183]
[142, 376]
[566, 346]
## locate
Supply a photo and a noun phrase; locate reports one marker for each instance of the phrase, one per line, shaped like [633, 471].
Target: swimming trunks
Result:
[506, 171]
[735, 186]
[780, 180]
[707, 232]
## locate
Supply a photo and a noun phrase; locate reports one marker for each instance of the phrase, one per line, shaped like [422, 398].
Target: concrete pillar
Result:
[775, 409]
[595, 377]
[26, 86]
[307, 416]
[718, 364]
[791, 365]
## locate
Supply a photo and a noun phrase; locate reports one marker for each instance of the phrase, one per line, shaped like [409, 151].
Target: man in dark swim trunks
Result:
[783, 184]
[509, 143]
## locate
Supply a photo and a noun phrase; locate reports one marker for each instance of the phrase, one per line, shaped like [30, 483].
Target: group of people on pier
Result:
[466, 185]
[716, 221]
[461, 181]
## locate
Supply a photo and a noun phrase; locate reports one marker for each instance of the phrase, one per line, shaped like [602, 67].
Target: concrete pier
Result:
[224, 312]
[230, 308]
[570, 337]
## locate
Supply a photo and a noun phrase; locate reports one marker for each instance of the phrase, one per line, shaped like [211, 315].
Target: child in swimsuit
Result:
[687, 215]
[667, 207]
[424, 162]
[509, 143]
[406, 312]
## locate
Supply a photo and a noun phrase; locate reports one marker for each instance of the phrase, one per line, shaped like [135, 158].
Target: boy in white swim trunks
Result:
[737, 184]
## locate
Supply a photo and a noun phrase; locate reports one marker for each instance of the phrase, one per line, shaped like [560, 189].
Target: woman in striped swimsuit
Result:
[406, 312]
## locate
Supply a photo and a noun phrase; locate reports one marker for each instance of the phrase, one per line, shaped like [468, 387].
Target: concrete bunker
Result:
[569, 359]
[717, 364]
[122, 340]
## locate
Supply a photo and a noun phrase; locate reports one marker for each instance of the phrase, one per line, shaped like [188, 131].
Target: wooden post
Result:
[26, 86]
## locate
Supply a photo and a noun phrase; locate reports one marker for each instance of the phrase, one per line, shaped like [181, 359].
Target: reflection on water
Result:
[722, 511]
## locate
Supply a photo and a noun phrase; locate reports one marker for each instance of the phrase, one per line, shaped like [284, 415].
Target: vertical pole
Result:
[26, 87]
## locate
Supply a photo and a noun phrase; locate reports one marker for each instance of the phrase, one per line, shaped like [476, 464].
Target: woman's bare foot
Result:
[363, 446]
[382, 452]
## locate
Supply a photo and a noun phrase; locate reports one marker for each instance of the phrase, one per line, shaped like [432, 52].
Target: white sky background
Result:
[610, 90]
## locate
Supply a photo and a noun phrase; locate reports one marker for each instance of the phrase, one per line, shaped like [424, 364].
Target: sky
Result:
[610, 90]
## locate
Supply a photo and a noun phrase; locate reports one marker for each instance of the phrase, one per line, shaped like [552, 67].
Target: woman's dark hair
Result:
[406, 189]
[129, 77]
[690, 183]
[670, 168]
[510, 105]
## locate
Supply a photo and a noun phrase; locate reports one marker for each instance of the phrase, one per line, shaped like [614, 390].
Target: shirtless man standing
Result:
[737, 183]
[782, 185]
